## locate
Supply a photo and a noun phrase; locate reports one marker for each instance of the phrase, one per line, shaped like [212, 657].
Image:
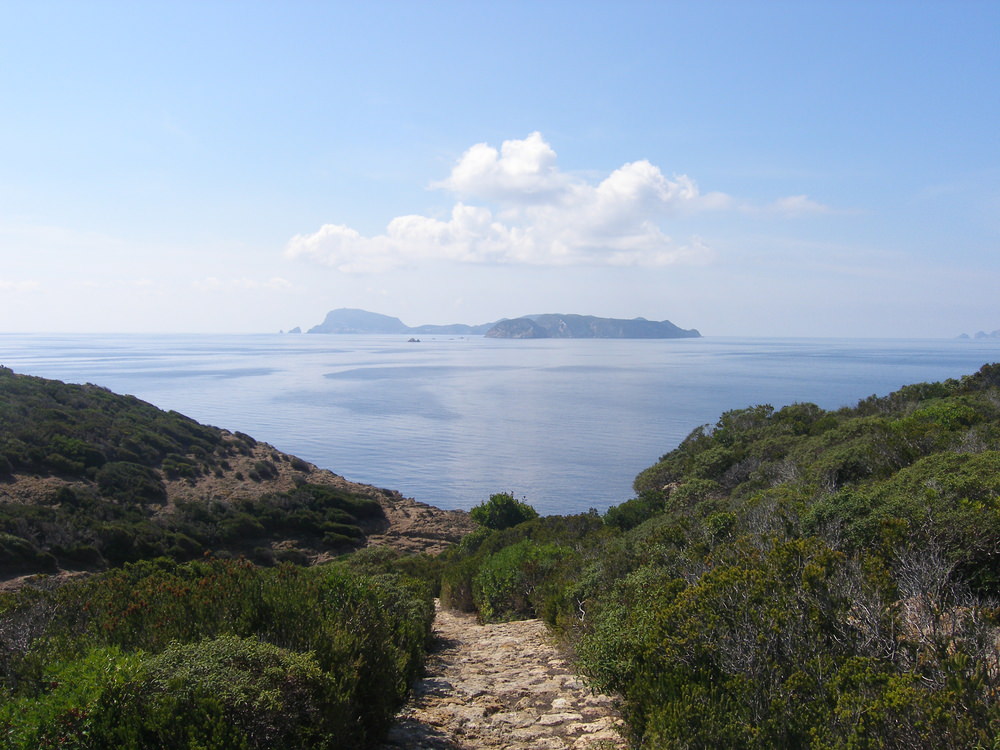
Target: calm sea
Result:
[450, 420]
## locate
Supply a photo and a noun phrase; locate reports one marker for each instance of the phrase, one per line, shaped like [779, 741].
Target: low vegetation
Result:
[795, 578]
[102, 463]
[784, 578]
[197, 624]
[215, 654]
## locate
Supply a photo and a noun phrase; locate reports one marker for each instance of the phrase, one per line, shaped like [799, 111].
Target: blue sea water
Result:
[566, 423]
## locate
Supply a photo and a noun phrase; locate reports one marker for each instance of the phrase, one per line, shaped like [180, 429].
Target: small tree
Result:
[502, 511]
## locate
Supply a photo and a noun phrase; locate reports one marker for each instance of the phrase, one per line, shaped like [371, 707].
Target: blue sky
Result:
[744, 168]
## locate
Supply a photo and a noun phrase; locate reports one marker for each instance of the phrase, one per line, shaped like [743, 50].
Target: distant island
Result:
[587, 327]
[981, 335]
[348, 320]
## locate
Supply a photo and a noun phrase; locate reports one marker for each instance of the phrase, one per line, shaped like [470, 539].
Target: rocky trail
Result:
[501, 685]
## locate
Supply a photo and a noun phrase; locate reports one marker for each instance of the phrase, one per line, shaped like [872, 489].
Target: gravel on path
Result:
[502, 685]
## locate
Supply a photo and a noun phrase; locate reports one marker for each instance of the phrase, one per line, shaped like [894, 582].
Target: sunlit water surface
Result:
[567, 423]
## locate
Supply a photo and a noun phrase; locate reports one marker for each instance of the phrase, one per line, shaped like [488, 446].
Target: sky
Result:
[750, 168]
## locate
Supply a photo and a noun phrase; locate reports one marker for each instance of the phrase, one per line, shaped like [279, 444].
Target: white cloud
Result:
[798, 205]
[515, 206]
[522, 171]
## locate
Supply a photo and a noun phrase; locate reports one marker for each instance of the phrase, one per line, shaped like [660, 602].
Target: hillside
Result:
[784, 578]
[89, 478]
[793, 577]
[218, 609]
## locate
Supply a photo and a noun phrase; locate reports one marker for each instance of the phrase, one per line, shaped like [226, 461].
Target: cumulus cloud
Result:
[514, 205]
[521, 171]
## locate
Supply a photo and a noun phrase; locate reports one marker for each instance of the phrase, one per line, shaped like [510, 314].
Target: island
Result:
[587, 327]
[551, 325]
[351, 320]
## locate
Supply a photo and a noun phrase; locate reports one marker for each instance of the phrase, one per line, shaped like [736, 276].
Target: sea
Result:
[566, 424]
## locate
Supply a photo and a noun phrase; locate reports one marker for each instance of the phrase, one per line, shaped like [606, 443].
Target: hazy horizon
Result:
[755, 169]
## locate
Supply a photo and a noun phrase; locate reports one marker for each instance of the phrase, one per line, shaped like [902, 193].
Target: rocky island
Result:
[587, 327]
[552, 325]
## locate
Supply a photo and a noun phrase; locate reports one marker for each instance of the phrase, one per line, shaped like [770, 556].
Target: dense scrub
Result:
[80, 529]
[214, 655]
[112, 456]
[193, 629]
[784, 578]
[51, 427]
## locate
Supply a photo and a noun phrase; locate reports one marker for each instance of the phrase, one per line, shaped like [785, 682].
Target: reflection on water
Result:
[566, 423]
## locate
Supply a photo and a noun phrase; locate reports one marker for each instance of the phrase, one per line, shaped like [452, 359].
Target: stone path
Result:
[501, 686]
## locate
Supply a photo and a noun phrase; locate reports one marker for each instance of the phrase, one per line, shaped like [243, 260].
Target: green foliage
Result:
[784, 578]
[66, 712]
[221, 654]
[507, 584]
[502, 511]
[129, 482]
[385, 560]
[793, 578]
[265, 696]
[54, 426]
[520, 571]
[633, 512]
[17, 554]
[113, 455]
[80, 527]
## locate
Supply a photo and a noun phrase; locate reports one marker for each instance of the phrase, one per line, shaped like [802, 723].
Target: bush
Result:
[232, 656]
[20, 555]
[74, 702]
[502, 511]
[130, 483]
[264, 695]
[456, 586]
[511, 582]
[633, 512]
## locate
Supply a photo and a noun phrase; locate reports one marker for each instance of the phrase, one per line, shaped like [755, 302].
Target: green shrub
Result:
[322, 657]
[456, 586]
[17, 554]
[631, 513]
[508, 583]
[502, 511]
[130, 483]
[73, 702]
[265, 696]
